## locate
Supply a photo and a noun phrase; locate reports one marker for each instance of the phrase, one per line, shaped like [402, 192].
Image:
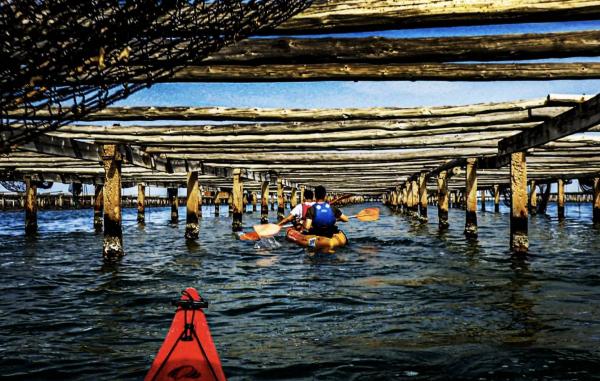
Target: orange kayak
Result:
[316, 243]
[188, 352]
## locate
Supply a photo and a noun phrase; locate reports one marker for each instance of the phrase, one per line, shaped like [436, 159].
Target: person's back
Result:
[321, 217]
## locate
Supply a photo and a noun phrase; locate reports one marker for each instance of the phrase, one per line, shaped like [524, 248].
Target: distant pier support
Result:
[192, 228]
[141, 204]
[532, 198]
[496, 198]
[217, 205]
[596, 206]
[280, 200]
[264, 202]
[423, 197]
[77, 188]
[561, 199]
[254, 201]
[442, 185]
[414, 195]
[294, 198]
[113, 235]
[230, 203]
[482, 200]
[173, 194]
[543, 206]
[200, 200]
[404, 202]
[238, 200]
[519, 241]
[98, 206]
[471, 199]
[302, 189]
[30, 207]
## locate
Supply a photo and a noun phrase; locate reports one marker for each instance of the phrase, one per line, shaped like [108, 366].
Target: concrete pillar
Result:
[173, 194]
[442, 185]
[561, 199]
[264, 202]
[519, 241]
[471, 199]
[280, 200]
[98, 207]
[30, 207]
[192, 205]
[113, 235]
[141, 204]
[496, 198]
[422, 197]
[238, 202]
[596, 200]
[532, 197]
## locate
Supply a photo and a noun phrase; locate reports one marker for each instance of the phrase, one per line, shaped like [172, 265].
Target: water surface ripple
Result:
[402, 301]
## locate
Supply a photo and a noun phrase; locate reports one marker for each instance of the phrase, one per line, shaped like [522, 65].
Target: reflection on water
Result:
[402, 301]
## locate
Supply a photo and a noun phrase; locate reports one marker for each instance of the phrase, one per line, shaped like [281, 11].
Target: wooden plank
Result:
[336, 16]
[578, 119]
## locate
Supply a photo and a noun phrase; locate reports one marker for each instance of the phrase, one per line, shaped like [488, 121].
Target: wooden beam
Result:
[337, 16]
[578, 119]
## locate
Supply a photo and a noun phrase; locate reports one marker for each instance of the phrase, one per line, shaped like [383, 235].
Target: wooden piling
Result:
[113, 234]
[230, 203]
[302, 189]
[561, 199]
[200, 200]
[482, 193]
[217, 205]
[423, 197]
[238, 200]
[30, 207]
[192, 229]
[442, 185]
[280, 200]
[98, 206]
[496, 198]
[596, 201]
[543, 206]
[519, 241]
[77, 188]
[173, 194]
[471, 199]
[264, 202]
[532, 204]
[294, 198]
[254, 198]
[141, 204]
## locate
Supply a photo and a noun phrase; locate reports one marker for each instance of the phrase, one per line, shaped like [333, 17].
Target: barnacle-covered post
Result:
[471, 199]
[113, 236]
[192, 229]
[519, 241]
[237, 198]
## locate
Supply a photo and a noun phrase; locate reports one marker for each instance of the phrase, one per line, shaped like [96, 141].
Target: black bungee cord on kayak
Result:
[189, 331]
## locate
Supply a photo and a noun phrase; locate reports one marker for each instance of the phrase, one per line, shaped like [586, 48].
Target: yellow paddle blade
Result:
[267, 230]
[368, 214]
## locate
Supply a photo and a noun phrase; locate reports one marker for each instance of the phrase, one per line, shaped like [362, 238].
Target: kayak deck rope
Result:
[189, 330]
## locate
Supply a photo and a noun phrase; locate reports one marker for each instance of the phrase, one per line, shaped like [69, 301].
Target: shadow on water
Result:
[403, 300]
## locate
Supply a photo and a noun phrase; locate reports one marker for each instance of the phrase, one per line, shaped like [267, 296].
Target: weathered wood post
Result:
[442, 183]
[98, 206]
[272, 200]
[77, 188]
[113, 234]
[264, 202]
[519, 241]
[294, 198]
[245, 202]
[302, 189]
[423, 197]
[496, 198]
[561, 199]
[30, 207]
[414, 195]
[192, 229]
[482, 192]
[394, 200]
[254, 201]
[230, 203]
[141, 204]
[404, 199]
[173, 194]
[543, 206]
[471, 199]
[596, 200]
[280, 199]
[238, 200]
[532, 197]
[217, 203]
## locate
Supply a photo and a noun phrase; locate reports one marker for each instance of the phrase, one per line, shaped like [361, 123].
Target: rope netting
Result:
[71, 58]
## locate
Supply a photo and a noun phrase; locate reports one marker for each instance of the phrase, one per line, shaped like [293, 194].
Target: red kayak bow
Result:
[188, 352]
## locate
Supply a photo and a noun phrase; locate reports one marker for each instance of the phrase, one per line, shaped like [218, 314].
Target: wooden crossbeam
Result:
[578, 119]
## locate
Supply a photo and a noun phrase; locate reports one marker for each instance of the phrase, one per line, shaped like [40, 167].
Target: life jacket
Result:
[324, 216]
[305, 207]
